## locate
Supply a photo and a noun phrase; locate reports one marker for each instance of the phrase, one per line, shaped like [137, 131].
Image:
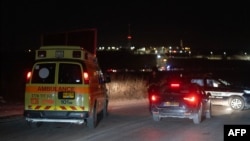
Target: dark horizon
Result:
[201, 26]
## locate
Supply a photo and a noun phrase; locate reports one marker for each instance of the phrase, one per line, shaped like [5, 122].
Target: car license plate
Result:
[68, 95]
[171, 104]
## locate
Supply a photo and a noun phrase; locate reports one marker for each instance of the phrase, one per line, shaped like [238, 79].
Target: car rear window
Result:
[198, 81]
[183, 89]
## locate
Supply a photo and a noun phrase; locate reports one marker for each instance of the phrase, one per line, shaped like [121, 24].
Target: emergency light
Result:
[59, 54]
[41, 54]
[76, 54]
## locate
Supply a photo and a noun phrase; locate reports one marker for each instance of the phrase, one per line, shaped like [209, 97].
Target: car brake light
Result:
[174, 85]
[154, 98]
[86, 78]
[190, 98]
[28, 76]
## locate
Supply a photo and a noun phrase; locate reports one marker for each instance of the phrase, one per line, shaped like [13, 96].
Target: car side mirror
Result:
[208, 94]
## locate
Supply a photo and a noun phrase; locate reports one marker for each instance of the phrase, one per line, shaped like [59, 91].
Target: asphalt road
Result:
[127, 120]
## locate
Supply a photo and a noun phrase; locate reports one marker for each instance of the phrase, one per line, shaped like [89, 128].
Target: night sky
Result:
[205, 25]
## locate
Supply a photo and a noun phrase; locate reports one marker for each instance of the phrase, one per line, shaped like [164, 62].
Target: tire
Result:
[92, 119]
[236, 103]
[156, 117]
[34, 124]
[105, 109]
[197, 116]
[209, 112]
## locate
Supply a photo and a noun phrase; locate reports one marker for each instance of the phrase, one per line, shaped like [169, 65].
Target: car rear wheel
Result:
[197, 116]
[209, 111]
[236, 103]
[105, 109]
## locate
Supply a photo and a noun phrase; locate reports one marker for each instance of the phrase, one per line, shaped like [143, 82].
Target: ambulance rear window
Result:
[44, 73]
[70, 74]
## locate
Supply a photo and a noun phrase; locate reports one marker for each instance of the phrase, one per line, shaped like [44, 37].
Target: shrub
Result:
[127, 86]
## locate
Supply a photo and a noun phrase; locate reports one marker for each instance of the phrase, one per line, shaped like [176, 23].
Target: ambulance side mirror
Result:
[107, 78]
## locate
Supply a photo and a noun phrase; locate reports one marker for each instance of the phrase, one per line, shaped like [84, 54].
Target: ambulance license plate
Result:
[67, 95]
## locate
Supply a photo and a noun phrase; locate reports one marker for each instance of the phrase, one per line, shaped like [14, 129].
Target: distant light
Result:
[129, 37]
[168, 67]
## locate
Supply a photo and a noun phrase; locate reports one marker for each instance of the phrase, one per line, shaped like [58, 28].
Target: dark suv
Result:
[180, 100]
[222, 92]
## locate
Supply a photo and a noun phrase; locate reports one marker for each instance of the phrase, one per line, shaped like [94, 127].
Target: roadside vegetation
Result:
[127, 86]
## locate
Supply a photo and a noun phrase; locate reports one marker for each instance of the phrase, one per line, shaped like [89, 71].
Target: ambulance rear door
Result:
[40, 92]
[72, 87]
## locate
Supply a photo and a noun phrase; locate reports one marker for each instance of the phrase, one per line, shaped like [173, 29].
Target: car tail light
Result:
[191, 98]
[28, 76]
[154, 98]
[86, 77]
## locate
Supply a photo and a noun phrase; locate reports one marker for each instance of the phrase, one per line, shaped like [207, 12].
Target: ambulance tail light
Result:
[28, 76]
[86, 77]
[154, 98]
[41, 54]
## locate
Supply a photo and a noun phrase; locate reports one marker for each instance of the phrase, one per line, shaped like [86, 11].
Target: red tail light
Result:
[191, 98]
[154, 98]
[86, 77]
[174, 85]
[28, 76]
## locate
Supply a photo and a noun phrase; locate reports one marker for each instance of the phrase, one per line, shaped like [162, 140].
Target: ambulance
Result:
[65, 85]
